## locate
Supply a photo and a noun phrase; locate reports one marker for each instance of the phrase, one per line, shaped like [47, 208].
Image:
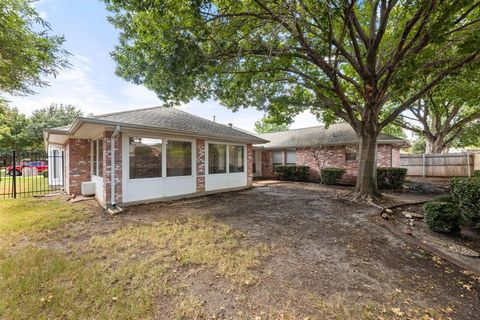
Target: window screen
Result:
[235, 158]
[217, 158]
[291, 156]
[145, 156]
[179, 158]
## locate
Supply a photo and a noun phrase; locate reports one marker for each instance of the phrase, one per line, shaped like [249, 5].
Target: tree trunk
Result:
[366, 187]
[434, 144]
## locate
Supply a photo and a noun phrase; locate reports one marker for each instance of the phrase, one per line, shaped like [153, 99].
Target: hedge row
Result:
[331, 176]
[292, 172]
[387, 178]
[449, 213]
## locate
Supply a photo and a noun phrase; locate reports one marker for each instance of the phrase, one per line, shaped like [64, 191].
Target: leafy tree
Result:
[13, 130]
[338, 58]
[446, 113]
[419, 145]
[266, 125]
[55, 115]
[28, 52]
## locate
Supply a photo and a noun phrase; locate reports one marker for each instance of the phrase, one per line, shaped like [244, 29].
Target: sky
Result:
[91, 84]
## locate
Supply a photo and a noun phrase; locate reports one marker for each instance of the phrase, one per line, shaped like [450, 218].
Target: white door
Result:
[55, 165]
[257, 163]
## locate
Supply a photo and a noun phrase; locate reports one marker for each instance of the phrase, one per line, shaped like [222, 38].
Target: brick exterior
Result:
[107, 168]
[200, 165]
[249, 165]
[77, 164]
[267, 163]
[387, 156]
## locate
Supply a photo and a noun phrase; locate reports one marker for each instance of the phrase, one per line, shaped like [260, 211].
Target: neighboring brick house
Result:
[158, 153]
[336, 146]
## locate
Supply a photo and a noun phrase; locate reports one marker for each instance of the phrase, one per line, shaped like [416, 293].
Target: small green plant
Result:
[391, 178]
[443, 215]
[476, 173]
[331, 176]
[466, 194]
[292, 172]
[45, 174]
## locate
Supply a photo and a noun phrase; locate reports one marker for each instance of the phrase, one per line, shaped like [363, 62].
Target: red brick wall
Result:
[77, 164]
[200, 165]
[386, 157]
[249, 165]
[267, 163]
[107, 167]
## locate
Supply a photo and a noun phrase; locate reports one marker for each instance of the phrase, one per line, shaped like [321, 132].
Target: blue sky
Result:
[91, 83]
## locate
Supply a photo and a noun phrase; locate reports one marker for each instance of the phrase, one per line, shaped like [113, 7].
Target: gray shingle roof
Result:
[336, 134]
[170, 119]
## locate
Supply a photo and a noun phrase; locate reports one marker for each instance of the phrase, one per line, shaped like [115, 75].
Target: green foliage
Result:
[395, 131]
[443, 215]
[391, 178]
[267, 125]
[13, 130]
[55, 115]
[476, 173]
[28, 51]
[292, 172]
[331, 176]
[466, 193]
[45, 174]
[419, 145]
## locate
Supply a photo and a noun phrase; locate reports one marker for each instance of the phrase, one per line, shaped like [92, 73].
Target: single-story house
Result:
[156, 153]
[162, 153]
[335, 146]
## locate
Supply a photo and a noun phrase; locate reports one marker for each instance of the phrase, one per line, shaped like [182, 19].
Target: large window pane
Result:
[94, 157]
[217, 158]
[100, 158]
[145, 158]
[291, 156]
[179, 158]
[236, 159]
[278, 156]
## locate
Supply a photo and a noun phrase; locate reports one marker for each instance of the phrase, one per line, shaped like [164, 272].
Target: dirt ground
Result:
[328, 259]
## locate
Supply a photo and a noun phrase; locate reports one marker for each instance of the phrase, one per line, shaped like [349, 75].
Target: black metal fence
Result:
[24, 174]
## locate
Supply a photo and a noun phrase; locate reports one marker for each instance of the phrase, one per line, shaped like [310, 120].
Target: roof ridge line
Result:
[127, 111]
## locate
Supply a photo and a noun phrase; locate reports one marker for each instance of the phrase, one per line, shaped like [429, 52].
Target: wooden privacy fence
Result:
[440, 164]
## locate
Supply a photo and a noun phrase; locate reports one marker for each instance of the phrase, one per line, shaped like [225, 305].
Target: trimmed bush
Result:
[331, 176]
[443, 215]
[45, 174]
[466, 194]
[476, 173]
[291, 172]
[391, 178]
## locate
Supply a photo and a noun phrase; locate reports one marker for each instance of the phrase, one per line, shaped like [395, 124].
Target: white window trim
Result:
[94, 171]
[228, 144]
[164, 156]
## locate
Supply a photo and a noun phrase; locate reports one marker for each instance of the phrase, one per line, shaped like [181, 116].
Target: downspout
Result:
[112, 165]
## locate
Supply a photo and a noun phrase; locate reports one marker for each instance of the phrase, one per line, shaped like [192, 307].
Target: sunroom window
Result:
[145, 157]
[179, 158]
[236, 159]
[217, 158]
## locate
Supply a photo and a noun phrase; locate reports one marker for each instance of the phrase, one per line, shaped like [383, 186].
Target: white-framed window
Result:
[350, 154]
[97, 157]
[179, 158]
[290, 156]
[145, 157]
[225, 158]
[278, 158]
[236, 159]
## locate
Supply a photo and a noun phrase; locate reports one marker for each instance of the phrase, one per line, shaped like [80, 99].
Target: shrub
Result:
[391, 178]
[45, 174]
[476, 173]
[466, 194]
[331, 176]
[292, 172]
[443, 215]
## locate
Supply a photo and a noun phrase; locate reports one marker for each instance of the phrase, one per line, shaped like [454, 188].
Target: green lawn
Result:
[117, 275]
[31, 185]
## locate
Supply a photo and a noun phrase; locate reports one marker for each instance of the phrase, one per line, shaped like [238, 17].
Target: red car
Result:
[40, 165]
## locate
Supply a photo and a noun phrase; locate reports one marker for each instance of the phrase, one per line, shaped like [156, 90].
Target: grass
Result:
[32, 185]
[117, 275]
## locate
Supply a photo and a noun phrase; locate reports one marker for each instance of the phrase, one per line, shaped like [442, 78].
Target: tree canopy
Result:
[338, 58]
[267, 125]
[28, 51]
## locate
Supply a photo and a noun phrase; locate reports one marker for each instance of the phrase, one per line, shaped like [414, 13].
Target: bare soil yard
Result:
[277, 251]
